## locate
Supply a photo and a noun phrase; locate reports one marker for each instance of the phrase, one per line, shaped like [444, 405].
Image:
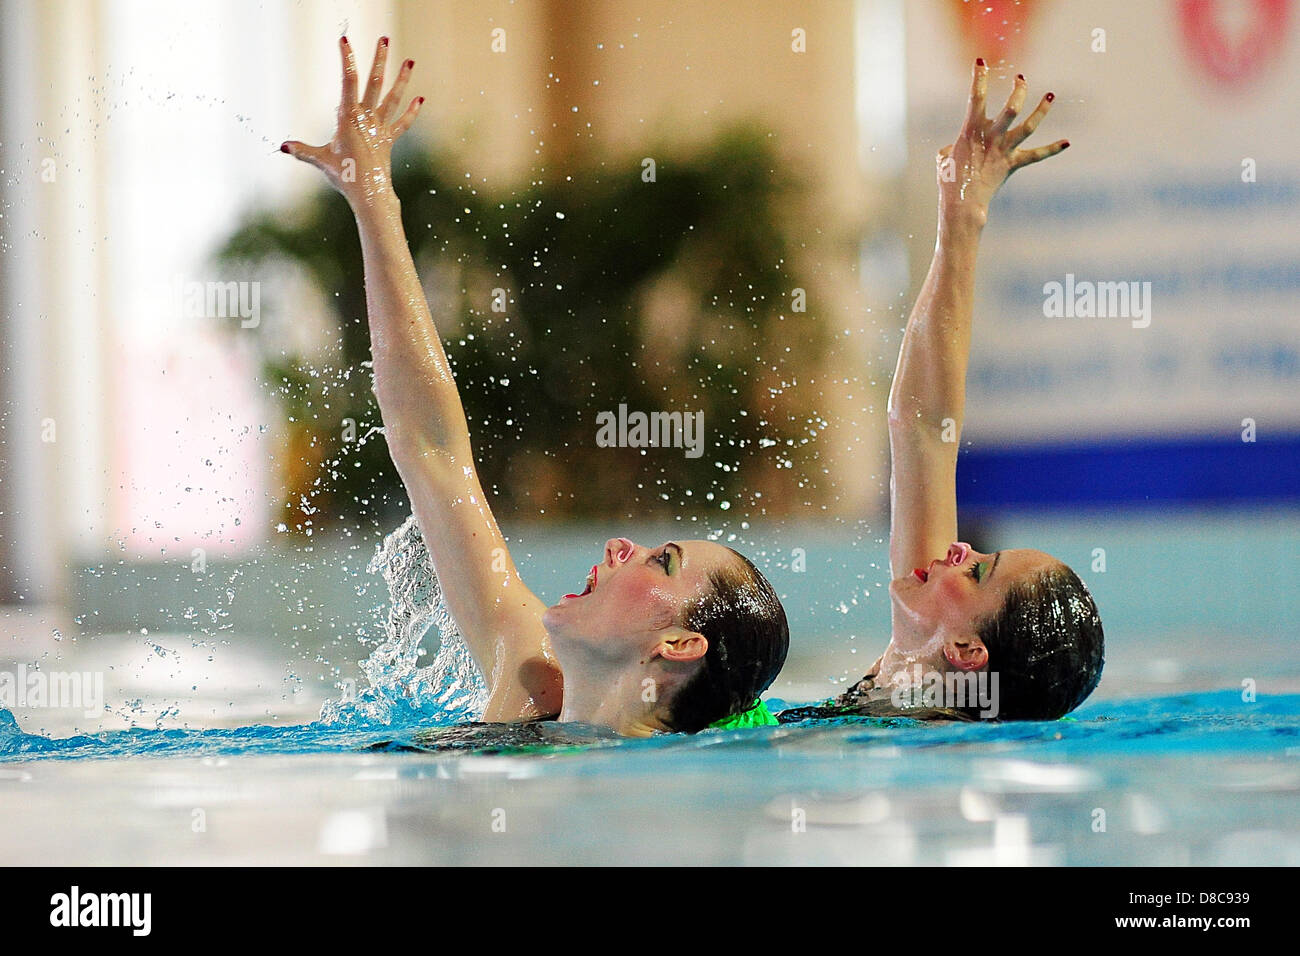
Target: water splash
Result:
[449, 690]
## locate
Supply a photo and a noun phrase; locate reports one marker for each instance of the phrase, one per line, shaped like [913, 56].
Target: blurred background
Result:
[703, 207]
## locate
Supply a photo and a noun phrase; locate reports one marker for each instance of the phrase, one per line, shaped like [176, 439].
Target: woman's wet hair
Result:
[742, 619]
[1045, 644]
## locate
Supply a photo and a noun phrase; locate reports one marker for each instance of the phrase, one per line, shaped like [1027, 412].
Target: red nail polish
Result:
[419, 99]
[345, 39]
[284, 147]
[979, 61]
[1065, 145]
[409, 63]
[1049, 97]
[1020, 77]
[384, 40]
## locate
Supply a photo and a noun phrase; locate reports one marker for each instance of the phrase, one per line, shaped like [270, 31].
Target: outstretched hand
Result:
[986, 152]
[357, 160]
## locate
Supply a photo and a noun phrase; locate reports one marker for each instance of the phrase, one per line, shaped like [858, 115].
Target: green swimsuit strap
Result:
[756, 716]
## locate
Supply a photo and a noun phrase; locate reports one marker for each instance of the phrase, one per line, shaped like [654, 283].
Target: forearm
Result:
[927, 400]
[424, 422]
[428, 440]
[929, 384]
[417, 393]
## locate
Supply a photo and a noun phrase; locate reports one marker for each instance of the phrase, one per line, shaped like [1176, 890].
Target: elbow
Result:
[902, 415]
[912, 414]
[914, 425]
[417, 453]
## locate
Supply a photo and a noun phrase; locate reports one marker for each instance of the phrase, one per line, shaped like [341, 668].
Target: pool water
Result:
[1202, 778]
[222, 752]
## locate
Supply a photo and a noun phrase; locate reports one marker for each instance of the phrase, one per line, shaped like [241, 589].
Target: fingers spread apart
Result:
[1001, 126]
[387, 110]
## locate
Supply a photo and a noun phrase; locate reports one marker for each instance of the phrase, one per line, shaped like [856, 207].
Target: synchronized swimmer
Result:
[682, 636]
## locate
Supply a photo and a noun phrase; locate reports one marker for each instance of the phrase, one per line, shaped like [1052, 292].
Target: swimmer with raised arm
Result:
[670, 638]
[1019, 614]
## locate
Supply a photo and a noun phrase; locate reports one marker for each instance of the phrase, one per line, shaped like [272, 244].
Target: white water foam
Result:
[449, 690]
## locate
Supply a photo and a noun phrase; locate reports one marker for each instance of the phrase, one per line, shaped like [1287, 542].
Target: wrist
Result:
[373, 201]
[962, 220]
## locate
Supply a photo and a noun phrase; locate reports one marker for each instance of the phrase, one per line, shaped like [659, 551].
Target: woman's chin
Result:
[553, 617]
[562, 616]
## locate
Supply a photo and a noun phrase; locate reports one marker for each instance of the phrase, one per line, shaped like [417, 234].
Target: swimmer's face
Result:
[938, 614]
[635, 596]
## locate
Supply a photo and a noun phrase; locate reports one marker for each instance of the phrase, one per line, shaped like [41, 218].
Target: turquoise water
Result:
[241, 749]
[1218, 723]
[1200, 778]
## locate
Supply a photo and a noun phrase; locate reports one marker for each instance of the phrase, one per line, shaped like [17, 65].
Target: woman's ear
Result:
[682, 647]
[966, 653]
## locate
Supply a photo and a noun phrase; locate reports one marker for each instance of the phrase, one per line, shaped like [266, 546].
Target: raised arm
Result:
[424, 422]
[927, 400]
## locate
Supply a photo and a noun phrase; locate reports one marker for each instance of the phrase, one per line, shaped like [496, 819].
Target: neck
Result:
[605, 694]
[910, 643]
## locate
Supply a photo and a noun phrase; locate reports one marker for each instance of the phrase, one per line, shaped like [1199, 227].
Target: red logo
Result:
[1234, 41]
[994, 29]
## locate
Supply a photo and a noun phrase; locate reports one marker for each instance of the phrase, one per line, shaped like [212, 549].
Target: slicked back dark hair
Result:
[744, 622]
[1046, 646]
